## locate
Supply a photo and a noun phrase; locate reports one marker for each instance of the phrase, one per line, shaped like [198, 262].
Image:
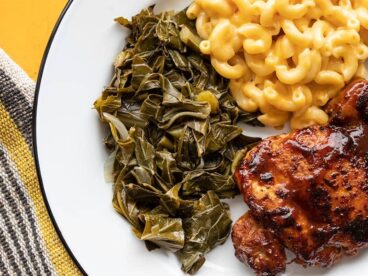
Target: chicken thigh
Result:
[307, 190]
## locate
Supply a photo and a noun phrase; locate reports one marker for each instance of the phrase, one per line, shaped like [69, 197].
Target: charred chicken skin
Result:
[307, 191]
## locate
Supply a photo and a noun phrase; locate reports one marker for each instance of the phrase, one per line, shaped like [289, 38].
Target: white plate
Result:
[71, 154]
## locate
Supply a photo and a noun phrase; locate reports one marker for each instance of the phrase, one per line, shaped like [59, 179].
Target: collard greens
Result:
[172, 150]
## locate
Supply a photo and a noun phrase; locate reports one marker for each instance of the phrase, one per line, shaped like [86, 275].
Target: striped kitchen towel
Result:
[29, 244]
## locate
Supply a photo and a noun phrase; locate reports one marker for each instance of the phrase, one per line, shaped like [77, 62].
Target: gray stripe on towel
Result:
[16, 104]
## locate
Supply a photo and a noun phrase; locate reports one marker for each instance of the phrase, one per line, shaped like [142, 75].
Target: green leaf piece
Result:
[208, 227]
[166, 232]
[198, 182]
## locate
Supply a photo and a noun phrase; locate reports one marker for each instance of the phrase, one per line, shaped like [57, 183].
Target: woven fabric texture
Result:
[29, 244]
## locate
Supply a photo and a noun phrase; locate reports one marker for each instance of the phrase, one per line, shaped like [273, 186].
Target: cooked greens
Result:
[173, 138]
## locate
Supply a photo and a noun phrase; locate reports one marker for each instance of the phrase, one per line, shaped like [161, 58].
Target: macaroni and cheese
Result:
[285, 58]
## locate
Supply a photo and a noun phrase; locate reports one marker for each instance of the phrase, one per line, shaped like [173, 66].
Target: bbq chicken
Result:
[307, 191]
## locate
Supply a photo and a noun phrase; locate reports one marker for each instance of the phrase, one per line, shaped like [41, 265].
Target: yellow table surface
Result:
[25, 27]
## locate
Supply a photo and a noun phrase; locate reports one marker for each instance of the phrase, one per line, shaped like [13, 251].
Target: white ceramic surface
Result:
[71, 154]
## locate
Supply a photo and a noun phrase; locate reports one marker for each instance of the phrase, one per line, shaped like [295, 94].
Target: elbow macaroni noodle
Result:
[285, 58]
